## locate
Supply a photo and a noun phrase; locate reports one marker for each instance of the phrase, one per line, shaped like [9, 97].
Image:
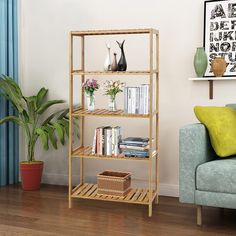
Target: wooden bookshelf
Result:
[84, 190]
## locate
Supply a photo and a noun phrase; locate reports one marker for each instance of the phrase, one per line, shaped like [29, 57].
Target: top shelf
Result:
[114, 32]
[80, 72]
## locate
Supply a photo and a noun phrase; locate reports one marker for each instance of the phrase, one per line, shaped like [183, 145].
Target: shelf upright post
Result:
[151, 125]
[157, 115]
[83, 106]
[70, 115]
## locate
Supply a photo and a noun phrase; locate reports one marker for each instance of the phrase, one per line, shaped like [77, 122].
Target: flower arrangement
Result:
[90, 86]
[112, 88]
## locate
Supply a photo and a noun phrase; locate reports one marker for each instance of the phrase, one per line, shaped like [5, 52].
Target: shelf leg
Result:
[70, 121]
[150, 210]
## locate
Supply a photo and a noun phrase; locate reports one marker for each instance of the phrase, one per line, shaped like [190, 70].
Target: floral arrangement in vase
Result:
[90, 86]
[112, 88]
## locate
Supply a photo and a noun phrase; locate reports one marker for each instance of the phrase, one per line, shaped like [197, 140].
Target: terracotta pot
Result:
[218, 66]
[31, 174]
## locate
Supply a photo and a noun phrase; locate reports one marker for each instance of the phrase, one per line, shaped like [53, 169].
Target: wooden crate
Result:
[114, 183]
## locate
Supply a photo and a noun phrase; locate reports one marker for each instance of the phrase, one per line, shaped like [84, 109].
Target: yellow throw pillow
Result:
[221, 125]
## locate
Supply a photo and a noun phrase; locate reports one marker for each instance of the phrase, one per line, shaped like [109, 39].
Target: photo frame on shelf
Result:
[220, 34]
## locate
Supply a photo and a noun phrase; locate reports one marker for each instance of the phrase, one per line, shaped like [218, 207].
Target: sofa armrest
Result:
[194, 149]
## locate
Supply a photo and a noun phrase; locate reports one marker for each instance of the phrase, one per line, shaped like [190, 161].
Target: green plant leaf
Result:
[51, 134]
[43, 136]
[60, 132]
[63, 114]
[30, 101]
[14, 84]
[65, 124]
[11, 94]
[26, 116]
[48, 104]
[11, 119]
[41, 96]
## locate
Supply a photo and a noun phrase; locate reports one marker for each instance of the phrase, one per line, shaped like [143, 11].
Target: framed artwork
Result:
[220, 34]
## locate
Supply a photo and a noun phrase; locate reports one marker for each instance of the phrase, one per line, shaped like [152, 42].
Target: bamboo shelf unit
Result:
[88, 190]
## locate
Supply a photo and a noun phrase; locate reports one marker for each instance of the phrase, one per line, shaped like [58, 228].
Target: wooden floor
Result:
[46, 212]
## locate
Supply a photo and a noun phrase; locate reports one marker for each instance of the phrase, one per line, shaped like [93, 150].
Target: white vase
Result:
[112, 103]
[90, 102]
[107, 63]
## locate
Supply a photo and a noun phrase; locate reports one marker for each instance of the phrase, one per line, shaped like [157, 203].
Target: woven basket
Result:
[113, 183]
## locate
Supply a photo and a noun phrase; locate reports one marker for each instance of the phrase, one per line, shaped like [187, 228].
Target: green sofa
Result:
[204, 178]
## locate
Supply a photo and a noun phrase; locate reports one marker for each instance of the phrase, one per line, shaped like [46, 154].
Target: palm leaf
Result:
[65, 124]
[40, 96]
[14, 84]
[43, 136]
[51, 134]
[11, 119]
[48, 104]
[60, 132]
[11, 94]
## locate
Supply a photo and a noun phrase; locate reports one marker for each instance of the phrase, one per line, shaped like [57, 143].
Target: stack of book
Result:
[106, 140]
[136, 99]
[135, 147]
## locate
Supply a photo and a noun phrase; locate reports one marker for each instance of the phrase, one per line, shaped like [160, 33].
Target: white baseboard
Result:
[169, 190]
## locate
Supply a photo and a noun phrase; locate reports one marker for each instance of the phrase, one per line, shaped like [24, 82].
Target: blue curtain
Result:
[9, 137]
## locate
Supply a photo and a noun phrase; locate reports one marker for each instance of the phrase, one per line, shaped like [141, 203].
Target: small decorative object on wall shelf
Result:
[219, 29]
[200, 62]
[218, 66]
[112, 88]
[122, 64]
[90, 86]
[107, 64]
[114, 66]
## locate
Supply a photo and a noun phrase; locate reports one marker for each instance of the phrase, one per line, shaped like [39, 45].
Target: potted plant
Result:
[30, 111]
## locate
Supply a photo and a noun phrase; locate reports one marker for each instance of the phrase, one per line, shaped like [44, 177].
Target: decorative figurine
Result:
[122, 64]
[114, 66]
[107, 64]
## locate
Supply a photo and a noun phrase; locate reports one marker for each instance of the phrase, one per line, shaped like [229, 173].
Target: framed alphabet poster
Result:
[220, 34]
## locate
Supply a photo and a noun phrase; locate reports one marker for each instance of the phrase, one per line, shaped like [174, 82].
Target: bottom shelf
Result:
[89, 191]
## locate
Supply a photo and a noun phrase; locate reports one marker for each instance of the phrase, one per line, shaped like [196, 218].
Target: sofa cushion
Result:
[221, 125]
[217, 176]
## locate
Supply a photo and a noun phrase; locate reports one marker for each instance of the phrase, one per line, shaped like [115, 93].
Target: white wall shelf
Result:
[211, 79]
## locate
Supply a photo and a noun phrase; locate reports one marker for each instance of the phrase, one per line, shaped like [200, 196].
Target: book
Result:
[116, 138]
[136, 99]
[134, 147]
[108, 141]
[135, 140]
[94, 142]
[135, 153]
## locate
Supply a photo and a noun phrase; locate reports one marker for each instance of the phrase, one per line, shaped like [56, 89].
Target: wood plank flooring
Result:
[46, 212]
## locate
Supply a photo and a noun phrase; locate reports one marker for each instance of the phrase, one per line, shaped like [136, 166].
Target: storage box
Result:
[114, 183]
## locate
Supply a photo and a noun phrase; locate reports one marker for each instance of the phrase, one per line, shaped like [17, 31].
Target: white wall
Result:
[44, 62]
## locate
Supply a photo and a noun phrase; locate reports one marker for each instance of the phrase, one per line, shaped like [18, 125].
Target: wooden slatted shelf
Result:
[81, 72]
[86, 152]
[135, 196]
[113, 32]
[105, 112]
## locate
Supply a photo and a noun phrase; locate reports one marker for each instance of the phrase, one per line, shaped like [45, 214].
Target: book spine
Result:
[109, 142]
[126, 100]
[97, 141]
[101, 140]
[137, 100]
[117, 135]
[129, 100]
[148, 99]
[133, 100]
[94, 142]
[141, 100]
[113, 141]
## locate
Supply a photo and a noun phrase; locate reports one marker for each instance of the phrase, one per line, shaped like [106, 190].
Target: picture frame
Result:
[220, 34]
